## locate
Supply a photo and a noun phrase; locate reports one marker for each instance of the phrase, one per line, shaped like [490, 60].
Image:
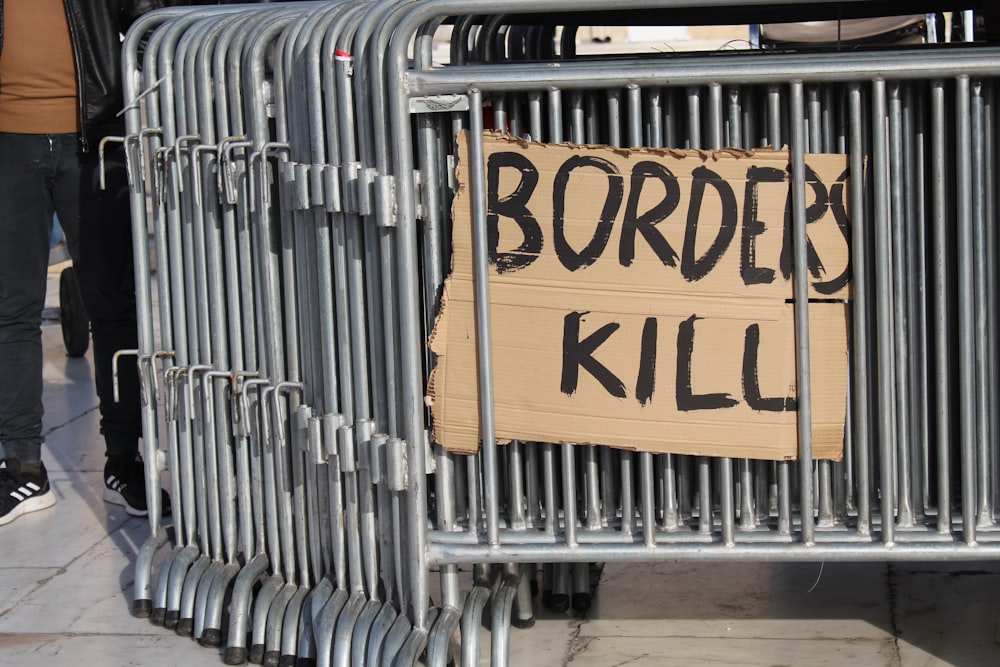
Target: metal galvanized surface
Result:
[294, 164]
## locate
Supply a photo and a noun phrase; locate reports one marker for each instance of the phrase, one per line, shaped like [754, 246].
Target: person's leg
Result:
[106, 279]
[26, 165]
[99, 221]
[25, 227]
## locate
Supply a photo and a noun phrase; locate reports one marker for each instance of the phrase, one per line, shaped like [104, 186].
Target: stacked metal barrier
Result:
[294, 164]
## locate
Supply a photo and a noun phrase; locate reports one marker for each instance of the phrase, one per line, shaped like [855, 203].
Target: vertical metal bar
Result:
[940, 270]
[654, 118]
[782, 485]
[772, 137]
[801, 291]
[477, 196]
[735, 116]
[993, 304]
[515, 502]
[648, 511]
[627, 492]
[607, 458]
[555, 116]
[594, 132]
[915, 126]
[898, 238]
[860, 292]
[577, 132]
[704, 494]
[614, 123]
[748, 515]
[693, 139]
[535, 115]
[983, 344]
[669, 506]
[550, 486]
[715, 116]
[671, 116]
[569, 493]
[725, 465]
[592, 493]
[966, 306]
[887, 431]
[634, 115]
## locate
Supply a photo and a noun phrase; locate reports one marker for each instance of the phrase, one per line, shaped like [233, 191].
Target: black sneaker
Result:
[125, 485]
[22, 492]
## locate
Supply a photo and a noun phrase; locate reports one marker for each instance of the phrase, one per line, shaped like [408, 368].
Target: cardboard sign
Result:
[642, 299]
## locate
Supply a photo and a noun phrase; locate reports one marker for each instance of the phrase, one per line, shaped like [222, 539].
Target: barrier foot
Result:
[142, 604]
[239, 609]
[503, 603]
[261, 608]
[362, 631]
[184, 627]
[211, 634]
[174, 593]
[394, 639]
[211, 638]
[324, 624]
[380, 628]
[142, 608]
[411, 649]
[472, 616]
[345, 630]
[290, 628]
[256, 655]
[182, 619]
[275, 618]
[235, 655]
[439, 642]
[524, 616]
[163, 586]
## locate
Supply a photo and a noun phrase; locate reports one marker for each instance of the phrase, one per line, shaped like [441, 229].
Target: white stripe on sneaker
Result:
[34, 487]
[17, 495]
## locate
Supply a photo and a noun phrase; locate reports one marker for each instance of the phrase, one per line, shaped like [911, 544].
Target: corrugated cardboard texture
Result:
[640, 299]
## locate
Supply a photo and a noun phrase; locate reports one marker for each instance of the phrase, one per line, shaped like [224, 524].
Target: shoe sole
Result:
[113, 497]
[36, 504]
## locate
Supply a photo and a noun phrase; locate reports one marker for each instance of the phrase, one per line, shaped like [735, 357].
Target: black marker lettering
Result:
[580, 353]
[515, 207]
[753, 227]
[695, 269]
[836, 284]
[645, 224]
[814, 212]
[751, 385]
[570, 258]
[646, 382]
[687, 400]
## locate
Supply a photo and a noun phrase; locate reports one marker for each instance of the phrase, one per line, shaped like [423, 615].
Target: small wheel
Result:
[75, 325]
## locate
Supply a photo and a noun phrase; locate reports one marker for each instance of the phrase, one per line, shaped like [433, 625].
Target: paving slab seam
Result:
[78, 417]
[576, 644]
[893, 619]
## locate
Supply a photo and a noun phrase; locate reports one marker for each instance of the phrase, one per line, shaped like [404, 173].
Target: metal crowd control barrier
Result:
[295, 165]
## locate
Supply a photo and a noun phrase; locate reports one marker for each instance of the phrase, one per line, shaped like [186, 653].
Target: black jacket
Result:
[94, 28]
